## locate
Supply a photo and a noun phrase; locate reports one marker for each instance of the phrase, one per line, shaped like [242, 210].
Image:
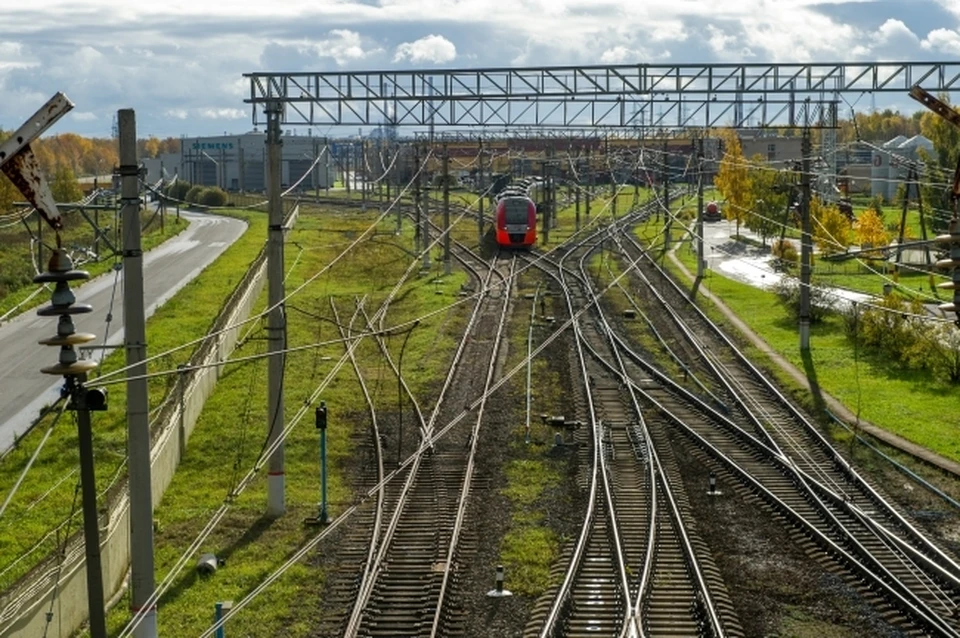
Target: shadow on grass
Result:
[816, 394]
[254, 532]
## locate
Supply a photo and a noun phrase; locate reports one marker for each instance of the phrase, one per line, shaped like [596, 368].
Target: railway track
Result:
[638, 568]
[769, 445]
[412, 570]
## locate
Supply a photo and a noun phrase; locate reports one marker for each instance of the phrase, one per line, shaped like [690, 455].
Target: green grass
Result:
[46, 497]
[906, 402]
[231, 429]
[530, 547]
[16, 265]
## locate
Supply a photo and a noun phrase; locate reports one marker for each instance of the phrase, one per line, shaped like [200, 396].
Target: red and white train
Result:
[516, 216]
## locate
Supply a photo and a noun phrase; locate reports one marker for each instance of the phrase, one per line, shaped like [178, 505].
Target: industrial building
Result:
[239, 162]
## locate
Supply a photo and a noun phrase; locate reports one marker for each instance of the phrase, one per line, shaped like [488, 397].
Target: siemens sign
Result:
[212, 146]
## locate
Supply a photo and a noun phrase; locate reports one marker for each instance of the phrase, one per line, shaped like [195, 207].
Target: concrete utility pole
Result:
[276, 320]
[365, 176]
[416, 196]
[589, 186]
[138, 421]
[426, 213]
[576, 195]
[545, 201]
[700, 180]
[806, 246]
[482, 191]
[667, 218]
[446, 210]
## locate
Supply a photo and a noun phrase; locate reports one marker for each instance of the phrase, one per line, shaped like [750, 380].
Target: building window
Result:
[771, 152]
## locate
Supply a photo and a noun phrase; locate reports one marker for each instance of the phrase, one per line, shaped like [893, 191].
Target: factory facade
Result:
[239, 162]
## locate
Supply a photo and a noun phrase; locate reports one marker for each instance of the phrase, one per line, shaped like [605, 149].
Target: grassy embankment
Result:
[16, 262]
[231, 430]
[46, 498]
[906, 402]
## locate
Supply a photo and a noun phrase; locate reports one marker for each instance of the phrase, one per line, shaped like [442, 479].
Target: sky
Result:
[180, 64]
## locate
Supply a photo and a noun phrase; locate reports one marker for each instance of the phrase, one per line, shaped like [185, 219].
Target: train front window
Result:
[515, 210]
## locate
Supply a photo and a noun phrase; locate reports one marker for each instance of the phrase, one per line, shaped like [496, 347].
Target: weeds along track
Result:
[771, 448]
[638, 567]
[409, 580]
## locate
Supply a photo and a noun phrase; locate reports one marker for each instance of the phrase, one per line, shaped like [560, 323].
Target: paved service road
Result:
[24, 390]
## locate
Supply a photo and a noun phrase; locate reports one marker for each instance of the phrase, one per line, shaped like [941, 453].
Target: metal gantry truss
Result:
[616, 96]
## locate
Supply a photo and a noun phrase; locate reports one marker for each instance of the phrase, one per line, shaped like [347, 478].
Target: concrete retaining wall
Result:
[24, 608]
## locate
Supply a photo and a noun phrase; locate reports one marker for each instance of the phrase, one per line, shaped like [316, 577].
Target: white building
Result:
[239, 162]
[892, 162]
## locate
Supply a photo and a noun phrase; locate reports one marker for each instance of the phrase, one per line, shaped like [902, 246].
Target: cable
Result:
[33, 457]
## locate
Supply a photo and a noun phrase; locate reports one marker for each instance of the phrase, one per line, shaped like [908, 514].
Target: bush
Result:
[821, 301]
[213, 197]
[897, 331]
[178, 190]
[193, 195]
[785, 254]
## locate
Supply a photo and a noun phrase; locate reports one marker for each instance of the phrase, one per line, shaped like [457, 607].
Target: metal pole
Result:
[276, 321]
[321, 417]
[91, 526]
[138, 422]
[806, 247]
[446, 210]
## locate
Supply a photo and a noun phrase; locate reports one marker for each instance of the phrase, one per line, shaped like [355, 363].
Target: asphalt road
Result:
[24, 390]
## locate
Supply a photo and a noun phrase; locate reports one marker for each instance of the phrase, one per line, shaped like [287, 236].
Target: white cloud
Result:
[343, 46]
[942, 41]
[83, 116]
[625, 55]
[619, 55]
[895, 29]
[177, 114]
[432, 48]
[222, 113]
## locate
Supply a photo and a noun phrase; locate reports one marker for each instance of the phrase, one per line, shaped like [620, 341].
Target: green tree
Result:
[769, 195]
[944, 135]
[733, 179]
[64, 185]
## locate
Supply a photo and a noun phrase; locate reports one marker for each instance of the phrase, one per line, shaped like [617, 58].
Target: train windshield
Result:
[515, 210]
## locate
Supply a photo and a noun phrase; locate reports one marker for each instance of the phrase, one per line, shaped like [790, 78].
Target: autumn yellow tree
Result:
[733, 178]
[831, 228]
[870, 230]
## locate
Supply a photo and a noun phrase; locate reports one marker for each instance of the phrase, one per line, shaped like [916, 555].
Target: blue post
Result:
[219, 608]
[321, 415]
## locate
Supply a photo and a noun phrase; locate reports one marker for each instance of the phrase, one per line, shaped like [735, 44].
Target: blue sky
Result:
[180, 63]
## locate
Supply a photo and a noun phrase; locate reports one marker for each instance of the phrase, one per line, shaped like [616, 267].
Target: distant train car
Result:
[516, 220]
[712, 213]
